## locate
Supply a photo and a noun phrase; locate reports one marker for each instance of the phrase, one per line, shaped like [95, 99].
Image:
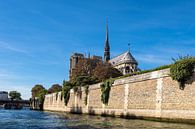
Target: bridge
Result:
[14, 102]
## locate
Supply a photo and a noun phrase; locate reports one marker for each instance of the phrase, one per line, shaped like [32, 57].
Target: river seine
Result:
[28, 119]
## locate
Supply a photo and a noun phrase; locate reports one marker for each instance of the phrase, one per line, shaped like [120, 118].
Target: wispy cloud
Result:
[9, 47]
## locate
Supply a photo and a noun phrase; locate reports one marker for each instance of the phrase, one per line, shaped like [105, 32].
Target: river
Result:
[28, 119]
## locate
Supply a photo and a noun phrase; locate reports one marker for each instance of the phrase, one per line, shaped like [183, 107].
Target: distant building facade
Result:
[124, 62]
[4, 95]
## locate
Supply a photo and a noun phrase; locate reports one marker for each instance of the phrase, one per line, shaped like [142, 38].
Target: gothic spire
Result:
[107, 46]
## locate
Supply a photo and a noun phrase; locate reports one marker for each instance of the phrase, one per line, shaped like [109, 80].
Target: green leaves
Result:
[182, 70]
[36, 90]
[105, 89]
[66, 91]
[40, 92]
[86, 94]
[14, 95]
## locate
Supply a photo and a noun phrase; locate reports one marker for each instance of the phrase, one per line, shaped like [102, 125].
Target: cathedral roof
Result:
[123, 58]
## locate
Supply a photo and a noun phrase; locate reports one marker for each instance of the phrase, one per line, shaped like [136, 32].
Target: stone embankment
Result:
[149, 95]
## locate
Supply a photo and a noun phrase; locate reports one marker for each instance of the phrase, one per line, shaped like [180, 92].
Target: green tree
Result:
[14, 95]
[85, 67]
[41, 98]
[55, 88]
[39, 91]
[105, 71]
[36, 90]
[182, 70]
[67, 85]
[84, 80]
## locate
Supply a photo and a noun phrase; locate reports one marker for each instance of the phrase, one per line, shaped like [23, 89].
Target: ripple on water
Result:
[28, 119]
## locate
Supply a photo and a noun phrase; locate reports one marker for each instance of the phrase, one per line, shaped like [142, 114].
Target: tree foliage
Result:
[105, 89]
[105, 71]
[41, 98]
[39, 91]
[182, 70]
[55, 88]
[84, 80]
[14, 95]
[86, 94]
[85, 67]
[67, 86]
[36, 90]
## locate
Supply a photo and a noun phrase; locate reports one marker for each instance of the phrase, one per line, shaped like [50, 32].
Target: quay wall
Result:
[149, 95]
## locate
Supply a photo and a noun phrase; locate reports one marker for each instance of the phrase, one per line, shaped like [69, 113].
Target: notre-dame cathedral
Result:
[124, 62]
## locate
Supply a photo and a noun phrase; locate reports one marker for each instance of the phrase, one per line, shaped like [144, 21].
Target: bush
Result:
[105, 89]
[86, 94]
[66, 91]
[55, 88]
[105, 71]
[36, 90]
[182, 70]
[41, 98]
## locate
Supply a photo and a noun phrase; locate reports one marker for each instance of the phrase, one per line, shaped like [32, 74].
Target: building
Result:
[124, 62]
[4, 95]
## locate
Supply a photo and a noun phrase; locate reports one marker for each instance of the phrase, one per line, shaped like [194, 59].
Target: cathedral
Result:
[124, 62]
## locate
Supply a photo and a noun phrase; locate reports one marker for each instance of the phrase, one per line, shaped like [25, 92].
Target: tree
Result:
[39, 91]
[105, 71]
[55, 88]
[14, 95]
[182, 70]
[84, 80]
[85, 67]
[67, 85]
[41, 97]
[36, 90]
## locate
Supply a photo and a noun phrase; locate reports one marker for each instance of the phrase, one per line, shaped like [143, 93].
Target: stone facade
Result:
[152, 94]
[125, 63]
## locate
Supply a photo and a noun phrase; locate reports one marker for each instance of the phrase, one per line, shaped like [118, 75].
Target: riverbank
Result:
[153, 96]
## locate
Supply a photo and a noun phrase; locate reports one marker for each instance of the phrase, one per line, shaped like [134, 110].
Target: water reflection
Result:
[27, 119]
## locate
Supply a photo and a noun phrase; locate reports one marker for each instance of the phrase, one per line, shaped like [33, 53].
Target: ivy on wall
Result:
[56, 95]
[67, 86]
[41, 98]
[182, 70]
[86, 94]
[105, 89]
[66, 95]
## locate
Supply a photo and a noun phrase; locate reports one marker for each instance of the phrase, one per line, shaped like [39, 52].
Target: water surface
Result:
[28, 119]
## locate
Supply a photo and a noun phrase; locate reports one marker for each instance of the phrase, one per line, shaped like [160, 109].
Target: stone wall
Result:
[152, 94]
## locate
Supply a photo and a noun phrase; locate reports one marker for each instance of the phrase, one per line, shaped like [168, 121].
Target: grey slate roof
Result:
[123, 58]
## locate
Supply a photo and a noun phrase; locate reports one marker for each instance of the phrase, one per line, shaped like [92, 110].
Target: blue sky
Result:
[37, 37]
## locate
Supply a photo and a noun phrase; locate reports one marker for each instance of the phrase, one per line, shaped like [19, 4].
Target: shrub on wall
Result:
[57, 96]
[182, 70]
[86, 94]
[105, 89]
[66, 91]
[41, 98]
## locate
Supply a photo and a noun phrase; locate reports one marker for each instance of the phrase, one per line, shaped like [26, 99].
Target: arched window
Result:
[127, 69]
